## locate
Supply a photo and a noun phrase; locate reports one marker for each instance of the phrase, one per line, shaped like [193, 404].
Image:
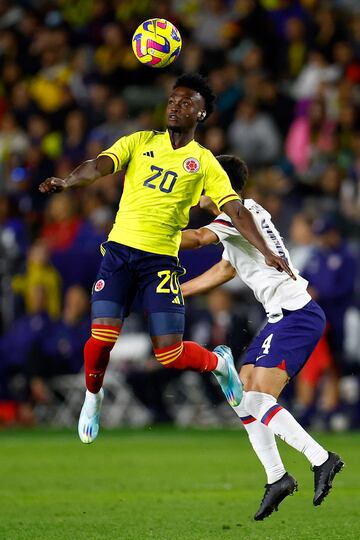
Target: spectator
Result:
[310, 138]
[39, 273]
[276, 103]
[59, 350]
[74, 146]
[17, 346]
[253, 135]
[13, 145]
[331, 272]
[316, 71]
[350, 189]
[301, 240]
[296, 49]
[116, 124]
[62, 224]
[347, 125]
[114, 58]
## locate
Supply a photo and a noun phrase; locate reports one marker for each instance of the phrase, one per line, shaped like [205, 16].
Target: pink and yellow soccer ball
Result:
[156, 43]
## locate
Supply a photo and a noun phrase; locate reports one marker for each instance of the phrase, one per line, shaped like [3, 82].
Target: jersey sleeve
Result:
[217, 185]
[122, 150]
[222, 227]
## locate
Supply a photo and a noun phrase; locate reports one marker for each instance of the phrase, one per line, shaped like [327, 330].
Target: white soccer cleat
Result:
[228, 378]
[89, 421]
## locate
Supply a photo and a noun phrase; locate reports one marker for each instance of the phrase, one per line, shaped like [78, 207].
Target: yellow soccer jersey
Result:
[161, 185]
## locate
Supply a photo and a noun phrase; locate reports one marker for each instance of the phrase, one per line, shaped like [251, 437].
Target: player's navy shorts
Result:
[125, 272]
[288, 343]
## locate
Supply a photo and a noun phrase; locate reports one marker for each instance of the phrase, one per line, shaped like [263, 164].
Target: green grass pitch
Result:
[164, 484]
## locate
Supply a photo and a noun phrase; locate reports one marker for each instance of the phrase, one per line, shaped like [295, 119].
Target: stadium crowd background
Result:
[287, 77]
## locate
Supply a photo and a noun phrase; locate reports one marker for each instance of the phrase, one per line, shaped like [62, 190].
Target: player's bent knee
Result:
[171, 357]
[267, 380]
[104, 336]
[245, 375]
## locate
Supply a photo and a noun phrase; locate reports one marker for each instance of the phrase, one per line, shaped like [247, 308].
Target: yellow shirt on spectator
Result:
[161, 185]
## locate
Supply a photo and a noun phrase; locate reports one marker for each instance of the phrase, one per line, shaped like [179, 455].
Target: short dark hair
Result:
[236, 169]
[197, 82]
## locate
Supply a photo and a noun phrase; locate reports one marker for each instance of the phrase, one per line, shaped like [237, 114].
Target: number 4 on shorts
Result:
[267, 343]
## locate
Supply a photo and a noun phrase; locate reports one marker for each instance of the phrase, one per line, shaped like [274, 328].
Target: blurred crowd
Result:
[287, 78]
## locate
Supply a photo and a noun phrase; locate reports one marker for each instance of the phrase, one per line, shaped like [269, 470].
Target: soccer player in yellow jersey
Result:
[166, 173]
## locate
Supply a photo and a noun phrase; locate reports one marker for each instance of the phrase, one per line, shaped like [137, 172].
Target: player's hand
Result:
[53, 185]
[207, 204]
[280, 263]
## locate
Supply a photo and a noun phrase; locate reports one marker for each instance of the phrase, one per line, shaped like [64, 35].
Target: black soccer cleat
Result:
[324, 475]
[274, 494]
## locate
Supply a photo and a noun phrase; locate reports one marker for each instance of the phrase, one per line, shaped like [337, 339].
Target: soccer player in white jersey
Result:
[295, 324]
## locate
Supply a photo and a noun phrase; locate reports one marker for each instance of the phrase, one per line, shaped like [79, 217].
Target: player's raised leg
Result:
[104, 333]
[172, 352]
[163, 301]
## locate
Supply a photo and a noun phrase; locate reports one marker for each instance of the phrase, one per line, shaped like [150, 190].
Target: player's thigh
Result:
[162, 300]
[115, 285]
[268, 380]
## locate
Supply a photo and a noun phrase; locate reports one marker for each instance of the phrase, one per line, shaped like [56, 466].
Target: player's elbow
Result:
[227, 271]
[198, 239]
[231, 272]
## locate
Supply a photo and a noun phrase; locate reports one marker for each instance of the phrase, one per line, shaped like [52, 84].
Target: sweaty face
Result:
[183, 108]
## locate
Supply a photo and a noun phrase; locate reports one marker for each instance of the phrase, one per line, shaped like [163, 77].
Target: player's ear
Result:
[201, 115]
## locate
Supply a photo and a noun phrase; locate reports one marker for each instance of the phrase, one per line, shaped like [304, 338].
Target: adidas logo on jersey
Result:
[149, 154]
[176, 300]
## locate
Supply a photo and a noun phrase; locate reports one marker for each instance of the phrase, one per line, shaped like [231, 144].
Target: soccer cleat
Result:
[229, 381]
[274, 494]
[324, 475]
[88, 427]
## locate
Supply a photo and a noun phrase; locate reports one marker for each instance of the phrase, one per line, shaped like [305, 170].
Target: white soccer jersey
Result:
[275, 290]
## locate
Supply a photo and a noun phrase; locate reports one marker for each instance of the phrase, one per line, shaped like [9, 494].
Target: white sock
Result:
[93, 397]
[221, 367]
[93, 401]
[264, 444]
[265, 408]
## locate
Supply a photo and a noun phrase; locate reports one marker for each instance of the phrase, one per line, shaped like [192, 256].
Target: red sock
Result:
[97, 353]
[187, 355]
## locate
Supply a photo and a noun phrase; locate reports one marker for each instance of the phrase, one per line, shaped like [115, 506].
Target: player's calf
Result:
[190, 355]
[97, 353]
[186, 355]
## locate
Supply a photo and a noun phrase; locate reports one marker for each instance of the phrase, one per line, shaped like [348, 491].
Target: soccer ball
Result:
[156, 43]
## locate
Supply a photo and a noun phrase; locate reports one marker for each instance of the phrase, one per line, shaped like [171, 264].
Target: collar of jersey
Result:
[188, 146]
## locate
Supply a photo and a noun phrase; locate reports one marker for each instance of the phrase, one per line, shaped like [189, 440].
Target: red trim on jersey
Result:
[224, 199]
[224, 222]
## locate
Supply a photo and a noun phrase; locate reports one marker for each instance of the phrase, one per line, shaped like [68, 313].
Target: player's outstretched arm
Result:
[217, 275]
[245, 224]
[195, 238]
[84, 174]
